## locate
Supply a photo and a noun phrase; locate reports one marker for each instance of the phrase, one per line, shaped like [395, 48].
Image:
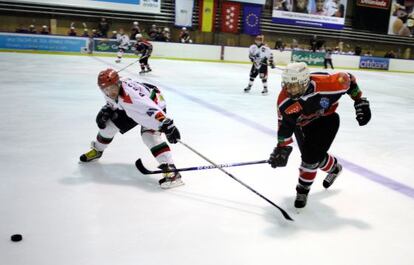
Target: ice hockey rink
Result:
[107, 213]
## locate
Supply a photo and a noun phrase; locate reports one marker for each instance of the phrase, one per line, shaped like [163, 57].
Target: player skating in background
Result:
[307, 108]
[260, 55]
[128, 103]
[123, 44]
[143, 48]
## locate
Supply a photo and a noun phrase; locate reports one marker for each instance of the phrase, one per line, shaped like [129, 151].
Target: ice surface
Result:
[107, 213]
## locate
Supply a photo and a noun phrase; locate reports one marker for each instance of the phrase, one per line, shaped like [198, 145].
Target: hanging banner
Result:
[184, 13]
[258, 2]
[139, 6]
[314, 13]
[401, 21]
[383, 4]
[251, 19]
[207, 14]
[230, 13]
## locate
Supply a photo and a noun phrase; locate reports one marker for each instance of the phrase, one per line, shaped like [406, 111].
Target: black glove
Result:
[103, 116]
[280, 156]
[272, 65]
[362, 110]
[170, 131]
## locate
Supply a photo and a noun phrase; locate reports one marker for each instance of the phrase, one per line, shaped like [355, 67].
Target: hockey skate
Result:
[265, 91]
[118, 60]
[301, 196]
[331, 177]
[142, 72]
[247, 89]
[91, 155]
[170, 179]
[149, 70]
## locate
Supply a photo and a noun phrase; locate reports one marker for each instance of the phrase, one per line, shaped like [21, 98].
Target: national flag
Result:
[251, 19]
[207, 14]
[230, 13]
[184, 13]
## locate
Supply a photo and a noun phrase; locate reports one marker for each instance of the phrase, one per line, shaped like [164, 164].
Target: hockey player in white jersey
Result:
[260, 55]
[129, 103]
[123, 44]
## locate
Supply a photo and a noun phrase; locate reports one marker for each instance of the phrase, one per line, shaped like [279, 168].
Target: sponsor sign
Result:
[41, 43]
[321, 14]
[374, 63]
[107, 45]
[310, 58]
[384, 4]
[141, 6]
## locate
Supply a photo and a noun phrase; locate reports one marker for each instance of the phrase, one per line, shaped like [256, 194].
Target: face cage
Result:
[111, 91]
[302, 89]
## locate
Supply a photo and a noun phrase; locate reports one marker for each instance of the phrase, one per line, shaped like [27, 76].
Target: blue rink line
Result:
[364, 172]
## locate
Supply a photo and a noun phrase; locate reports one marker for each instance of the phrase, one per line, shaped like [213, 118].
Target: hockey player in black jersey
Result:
[143, 48]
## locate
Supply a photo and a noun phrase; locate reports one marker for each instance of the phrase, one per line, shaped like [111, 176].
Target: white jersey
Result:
[260, 55]
[142, 103]
[123, 41]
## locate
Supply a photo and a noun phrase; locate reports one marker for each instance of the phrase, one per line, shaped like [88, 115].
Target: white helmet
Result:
[296, 73]
[138, 36]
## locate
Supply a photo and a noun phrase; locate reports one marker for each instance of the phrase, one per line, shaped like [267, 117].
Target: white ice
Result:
[107, 213]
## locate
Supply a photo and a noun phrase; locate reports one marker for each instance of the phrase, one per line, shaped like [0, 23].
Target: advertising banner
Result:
[401, 20]
[374, 63]
[310, 13]
[310, 58]
[140, 6]
[41, 43]
[384, 4]
[106, 45]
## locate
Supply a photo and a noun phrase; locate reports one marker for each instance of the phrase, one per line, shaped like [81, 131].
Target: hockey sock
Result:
[328, 163]
[307, 173]
[102, 142]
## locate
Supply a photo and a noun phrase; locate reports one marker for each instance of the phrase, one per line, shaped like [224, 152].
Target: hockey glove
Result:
[272, 65]
[280, 156]
[170, 131]
[103, 116]
[362, 110]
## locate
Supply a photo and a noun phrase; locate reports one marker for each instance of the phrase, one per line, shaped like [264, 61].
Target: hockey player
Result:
[260, 55]
[129, 103]
[123, 44]
[307, 107]
[144, 48]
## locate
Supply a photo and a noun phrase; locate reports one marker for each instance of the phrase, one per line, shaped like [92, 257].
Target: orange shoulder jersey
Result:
[144, 48]
[320, 99]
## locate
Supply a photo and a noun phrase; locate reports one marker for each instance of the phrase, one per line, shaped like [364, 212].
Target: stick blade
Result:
[141, 168]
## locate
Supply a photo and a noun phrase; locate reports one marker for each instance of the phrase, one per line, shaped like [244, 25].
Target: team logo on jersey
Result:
[324, 102]
[293, 108]
[151, 111]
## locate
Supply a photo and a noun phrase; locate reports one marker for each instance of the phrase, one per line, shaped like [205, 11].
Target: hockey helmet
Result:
[295, 79]
[107, 78]
[138, 36]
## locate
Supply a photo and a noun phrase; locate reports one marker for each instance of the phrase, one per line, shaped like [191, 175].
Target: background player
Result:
[144, 48]
[260, 55]
[129, 103]
[123, 44]
[307, 107]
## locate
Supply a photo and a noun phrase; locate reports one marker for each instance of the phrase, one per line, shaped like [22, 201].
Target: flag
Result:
[207, 14]
[251, 19]
[184, 13]
[230, 13]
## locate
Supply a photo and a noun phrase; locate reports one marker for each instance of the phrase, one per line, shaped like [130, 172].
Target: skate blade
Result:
[172, 184]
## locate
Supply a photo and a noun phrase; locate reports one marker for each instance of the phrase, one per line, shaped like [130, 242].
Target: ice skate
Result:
[331, 177]
[247, 89]
[91, 155]
[118, 60]
[301, 196]
[142, 72]
[149, 70]
[170, 179]
[265, 92]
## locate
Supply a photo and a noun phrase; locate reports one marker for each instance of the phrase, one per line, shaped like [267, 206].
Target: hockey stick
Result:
[122, 69]
[146, 171]
[284, 213]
